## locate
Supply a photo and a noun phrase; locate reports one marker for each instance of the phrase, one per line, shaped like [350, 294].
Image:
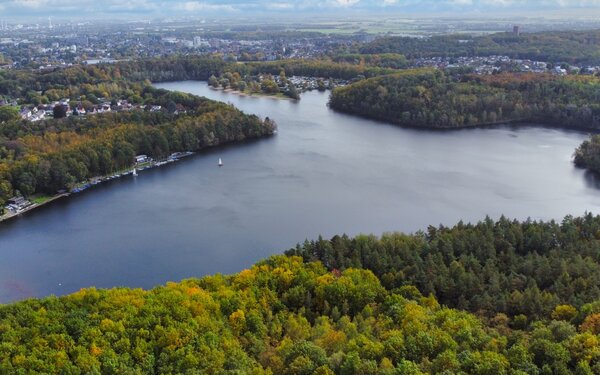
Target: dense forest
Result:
[505, 266]
[289, 315]
[581, 47]
[437, 99]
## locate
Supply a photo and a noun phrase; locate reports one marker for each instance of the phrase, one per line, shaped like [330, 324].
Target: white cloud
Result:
[194, 6]
[90, 8]
[345, 3]
[32, 3]
[280, 6]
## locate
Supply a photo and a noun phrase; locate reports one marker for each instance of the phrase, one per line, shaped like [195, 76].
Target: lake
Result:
[324, 173]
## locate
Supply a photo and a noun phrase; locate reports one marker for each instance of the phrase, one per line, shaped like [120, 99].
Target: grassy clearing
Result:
[40, 199]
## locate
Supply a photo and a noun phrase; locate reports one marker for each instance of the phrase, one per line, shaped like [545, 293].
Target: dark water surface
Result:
[324, 173]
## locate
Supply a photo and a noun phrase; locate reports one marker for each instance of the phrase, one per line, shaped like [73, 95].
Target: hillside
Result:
[286, 316]
[504, 266]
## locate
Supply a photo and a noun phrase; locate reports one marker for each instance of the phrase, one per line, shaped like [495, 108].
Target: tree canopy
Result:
[581, 47]
[436, 99]
[289, 316]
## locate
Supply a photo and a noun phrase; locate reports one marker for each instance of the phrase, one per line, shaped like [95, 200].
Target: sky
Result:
[161, 8]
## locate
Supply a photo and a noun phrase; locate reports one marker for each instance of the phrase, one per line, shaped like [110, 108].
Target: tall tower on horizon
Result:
[517, 30]
[50, 22]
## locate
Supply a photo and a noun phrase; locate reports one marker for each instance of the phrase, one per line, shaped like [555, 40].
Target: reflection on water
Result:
[324, 173]
[592, 179]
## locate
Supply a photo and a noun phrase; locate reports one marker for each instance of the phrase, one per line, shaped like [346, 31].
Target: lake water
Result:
[324, 173]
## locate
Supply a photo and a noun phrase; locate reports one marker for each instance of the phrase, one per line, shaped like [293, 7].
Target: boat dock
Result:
[147, 164]
[138, 167]
[13, 214]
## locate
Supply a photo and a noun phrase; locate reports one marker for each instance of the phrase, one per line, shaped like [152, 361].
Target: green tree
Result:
[8, 113]
[59, 111]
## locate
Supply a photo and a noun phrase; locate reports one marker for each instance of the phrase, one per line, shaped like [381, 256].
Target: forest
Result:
[431, 98]
[521, 269]
[363, 305]
[574, 47]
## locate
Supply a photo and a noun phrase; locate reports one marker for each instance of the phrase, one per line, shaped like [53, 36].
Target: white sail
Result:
[134, 172]
[220, 162]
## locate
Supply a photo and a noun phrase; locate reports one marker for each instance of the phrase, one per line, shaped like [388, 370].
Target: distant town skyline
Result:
[62, 9]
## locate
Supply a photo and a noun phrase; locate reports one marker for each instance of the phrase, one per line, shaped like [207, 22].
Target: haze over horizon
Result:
[136, 9]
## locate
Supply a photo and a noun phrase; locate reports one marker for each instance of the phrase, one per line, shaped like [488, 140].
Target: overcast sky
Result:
[157, 8]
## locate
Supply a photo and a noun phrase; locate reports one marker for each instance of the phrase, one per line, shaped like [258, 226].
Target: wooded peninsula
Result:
[54, 154]
[429, 98]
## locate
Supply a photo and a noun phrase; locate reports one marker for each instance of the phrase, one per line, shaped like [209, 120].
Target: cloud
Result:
[345, 3]
[194, 6]
[280, 6]
[159, 8]
[35, 4]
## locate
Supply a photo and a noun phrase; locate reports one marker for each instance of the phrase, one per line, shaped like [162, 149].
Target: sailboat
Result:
[134, 172]
[220, 162]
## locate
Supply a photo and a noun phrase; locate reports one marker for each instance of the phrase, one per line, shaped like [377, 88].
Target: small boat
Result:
[220, 162]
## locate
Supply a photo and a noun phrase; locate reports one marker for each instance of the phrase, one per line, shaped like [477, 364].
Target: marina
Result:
[148, 164]
[14, 210]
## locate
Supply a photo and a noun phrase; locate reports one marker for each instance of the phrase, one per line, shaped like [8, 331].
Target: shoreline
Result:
[486, 125]
[91, 182]
[10, 216]
[82, 186]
